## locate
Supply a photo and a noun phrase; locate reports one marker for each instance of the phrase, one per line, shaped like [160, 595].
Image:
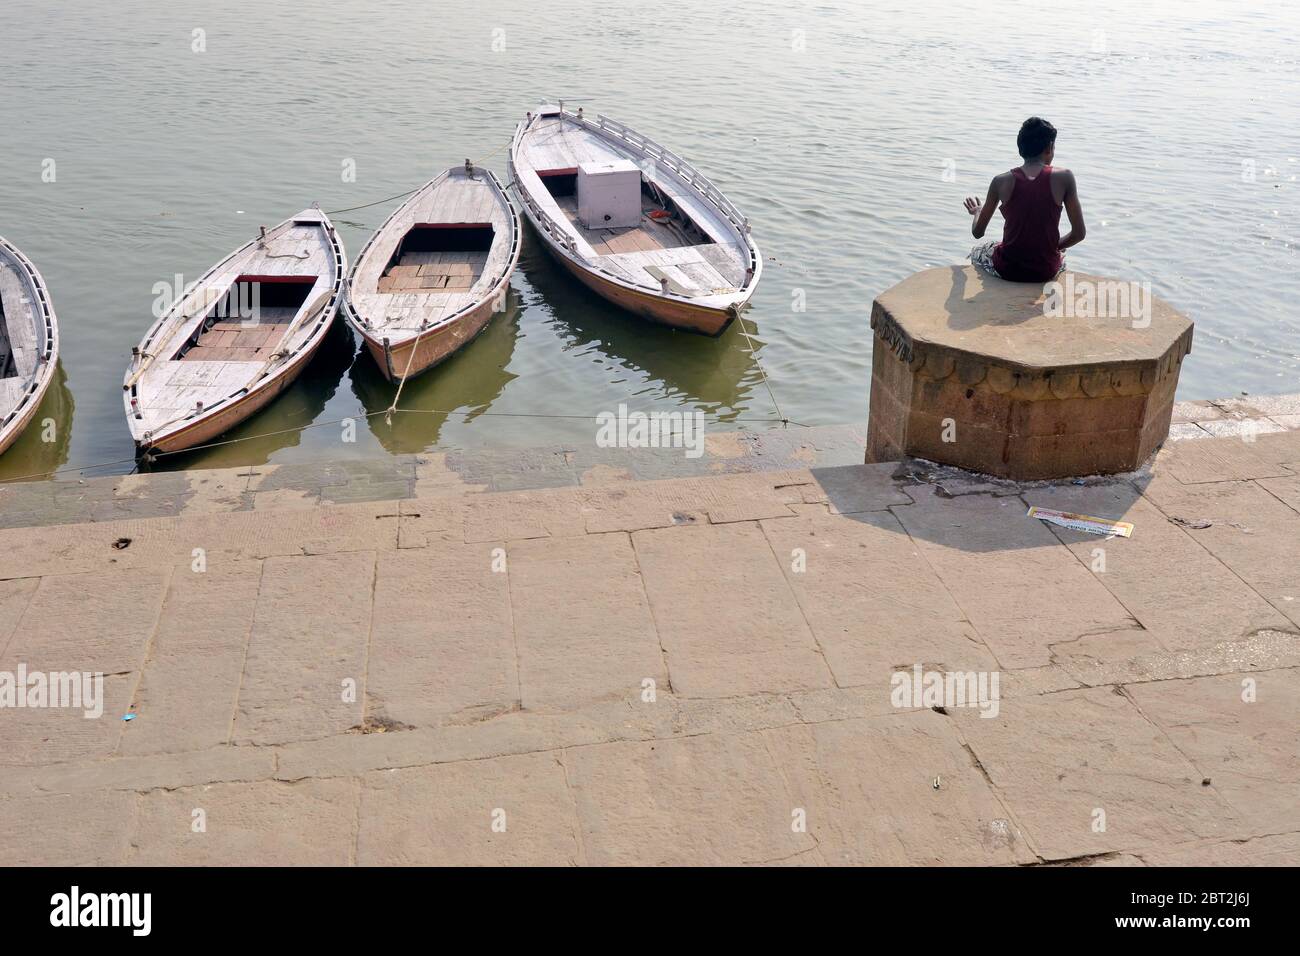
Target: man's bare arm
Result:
[1074, 211]
[982, 212]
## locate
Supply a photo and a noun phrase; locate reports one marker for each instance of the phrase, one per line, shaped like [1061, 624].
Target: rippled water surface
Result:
[830, 124]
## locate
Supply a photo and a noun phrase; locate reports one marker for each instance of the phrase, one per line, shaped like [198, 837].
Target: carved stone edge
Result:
[1093, 380]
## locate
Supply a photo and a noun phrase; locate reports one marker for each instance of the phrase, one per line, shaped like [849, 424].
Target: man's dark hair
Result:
[1036, 134]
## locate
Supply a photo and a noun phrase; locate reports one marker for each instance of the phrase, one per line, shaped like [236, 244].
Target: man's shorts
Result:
[982, 258]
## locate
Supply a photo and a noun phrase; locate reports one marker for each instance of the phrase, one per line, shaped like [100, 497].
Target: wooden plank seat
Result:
[434, 271]
[231, 340]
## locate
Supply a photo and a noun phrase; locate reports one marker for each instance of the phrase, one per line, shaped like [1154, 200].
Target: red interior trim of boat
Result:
[308, 280]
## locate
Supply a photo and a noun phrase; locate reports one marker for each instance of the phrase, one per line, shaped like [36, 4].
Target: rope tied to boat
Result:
[377, 202]
[740, 323]
[380, 202]
[388, 415]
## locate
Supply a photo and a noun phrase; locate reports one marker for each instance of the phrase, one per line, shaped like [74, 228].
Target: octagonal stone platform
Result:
[971, 370]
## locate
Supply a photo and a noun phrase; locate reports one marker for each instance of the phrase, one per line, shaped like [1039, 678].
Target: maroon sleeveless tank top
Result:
[1027, 252]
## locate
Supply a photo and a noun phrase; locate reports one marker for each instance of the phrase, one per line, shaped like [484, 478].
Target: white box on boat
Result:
[609, 194]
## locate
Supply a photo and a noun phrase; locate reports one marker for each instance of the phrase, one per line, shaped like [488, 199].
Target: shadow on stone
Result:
[971, 512]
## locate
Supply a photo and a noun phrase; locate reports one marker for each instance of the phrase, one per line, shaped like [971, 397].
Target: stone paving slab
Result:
[726, 617]
[979, 545]
[441, 638]
[90, 828]
[506, 811]
[307, 648]
[582, 621]
[702, 668]
[1238, 729]
[1210, 603]
[836, 568]
[658, 803]
[196, 659]
[1085, 773]
[268, 823]
[845, 771]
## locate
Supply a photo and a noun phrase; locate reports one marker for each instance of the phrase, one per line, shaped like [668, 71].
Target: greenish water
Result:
[847, 132]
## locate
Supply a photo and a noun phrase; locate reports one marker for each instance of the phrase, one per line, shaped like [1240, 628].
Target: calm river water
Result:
[848, 132]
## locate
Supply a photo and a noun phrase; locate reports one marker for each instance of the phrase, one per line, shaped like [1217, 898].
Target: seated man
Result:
[1031, 196]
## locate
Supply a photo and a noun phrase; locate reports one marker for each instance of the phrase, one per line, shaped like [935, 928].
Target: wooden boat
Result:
[29, 342]
[236, 338]
[685, 258]
[431, 278]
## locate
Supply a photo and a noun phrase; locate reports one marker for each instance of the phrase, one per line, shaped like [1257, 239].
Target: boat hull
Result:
[422, 353]
[235, 380]
[47, 355]
[694, 292]
[204, 430]
[449, 200]
[670, 312]
[16, 427]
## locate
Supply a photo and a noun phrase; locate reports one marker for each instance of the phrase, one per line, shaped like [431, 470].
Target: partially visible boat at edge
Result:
[432, 276]
[633, 221]
[237, 337]
[29, 342]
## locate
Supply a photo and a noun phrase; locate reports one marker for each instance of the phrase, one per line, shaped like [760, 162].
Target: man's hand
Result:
[983, 211]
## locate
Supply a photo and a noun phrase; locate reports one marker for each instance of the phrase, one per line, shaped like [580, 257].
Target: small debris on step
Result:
[1086, 523]
[379, 724]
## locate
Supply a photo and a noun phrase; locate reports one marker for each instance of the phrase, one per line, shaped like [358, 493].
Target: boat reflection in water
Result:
[280, 424]
[467, 384]
[655, 365]
[42, 448]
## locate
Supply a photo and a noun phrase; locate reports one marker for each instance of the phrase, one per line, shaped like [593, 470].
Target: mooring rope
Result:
[380, 202]
[377, 202]
[70, 468]
[392, 408]
[388, 416]
[763, 373]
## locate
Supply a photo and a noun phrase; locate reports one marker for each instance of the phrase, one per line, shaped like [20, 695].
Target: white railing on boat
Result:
[637, 143]
[544, 220]
[641, 143]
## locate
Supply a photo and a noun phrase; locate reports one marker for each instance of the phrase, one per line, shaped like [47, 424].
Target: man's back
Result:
[1031, 235]
[1031, 198]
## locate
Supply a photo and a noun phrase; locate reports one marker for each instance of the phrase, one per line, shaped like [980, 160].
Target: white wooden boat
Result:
[236, 338]
[687, 260]
[29, 342]
[431, 278]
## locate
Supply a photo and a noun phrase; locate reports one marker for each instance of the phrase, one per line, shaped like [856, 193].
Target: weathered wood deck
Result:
[204, 364]
[415, 307]
[699, 257]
